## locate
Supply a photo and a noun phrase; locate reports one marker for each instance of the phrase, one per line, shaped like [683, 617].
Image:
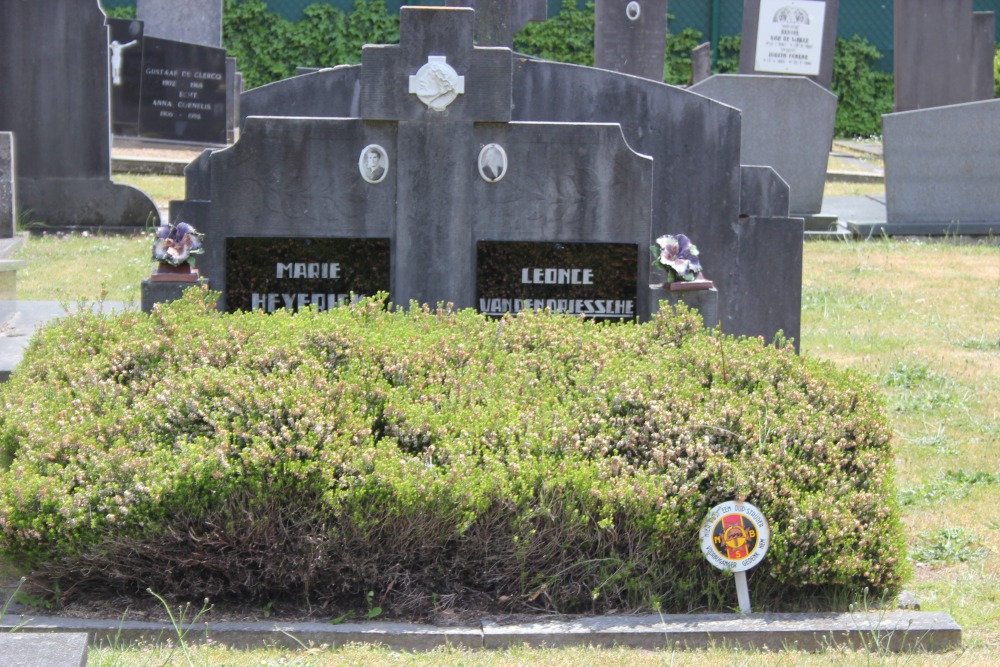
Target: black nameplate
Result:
[598, 280]
[183, 92]
[272, 274]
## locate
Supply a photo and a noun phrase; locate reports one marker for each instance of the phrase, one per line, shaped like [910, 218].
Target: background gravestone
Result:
[631, 37]
[940, 54]
[497, 21]
[784, 37]
[55, 56]
[8, 189]
[191, 21]
[701, 62]
[983, 48]
[941, 169]
[787, 124]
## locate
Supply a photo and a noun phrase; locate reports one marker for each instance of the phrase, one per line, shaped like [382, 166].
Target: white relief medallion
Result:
[437, 84]
[633, 11]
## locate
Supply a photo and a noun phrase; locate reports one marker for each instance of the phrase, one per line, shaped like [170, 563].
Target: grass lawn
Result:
[921, 317]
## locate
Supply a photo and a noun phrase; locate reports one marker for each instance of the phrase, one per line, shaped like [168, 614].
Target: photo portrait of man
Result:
[374, 163]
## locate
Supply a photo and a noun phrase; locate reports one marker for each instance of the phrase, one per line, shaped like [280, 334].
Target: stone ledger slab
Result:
[896, 631]
[32, 649]
[941, 168]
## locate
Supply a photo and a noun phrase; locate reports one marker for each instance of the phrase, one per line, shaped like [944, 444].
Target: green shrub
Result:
[567, 37]
[996, 73]
[268, 47]
[863, 92]
[538, 462]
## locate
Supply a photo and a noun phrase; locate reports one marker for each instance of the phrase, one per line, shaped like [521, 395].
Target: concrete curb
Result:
[897, 631]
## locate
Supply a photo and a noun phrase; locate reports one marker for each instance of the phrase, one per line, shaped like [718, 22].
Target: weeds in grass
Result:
[947, 546]
[8, 602]
[181, 626]
[952, 486]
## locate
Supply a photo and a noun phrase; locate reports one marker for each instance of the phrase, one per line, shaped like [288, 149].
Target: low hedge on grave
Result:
[429, 459]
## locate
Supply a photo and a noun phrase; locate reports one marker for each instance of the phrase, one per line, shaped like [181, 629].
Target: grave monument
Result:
[189, 21]
[793, 37]
[168, 90]
[630, 36]
[468, 176]
[55, 56]
[943, 53]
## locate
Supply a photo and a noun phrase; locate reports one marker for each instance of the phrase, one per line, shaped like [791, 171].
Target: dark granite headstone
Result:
[497, 21]
[125, 50]
[190, 21]
[630, 36]
[55, 55]
[694, 143]
[941, 54]
[183, 92]
[8, 186]
[791, 37]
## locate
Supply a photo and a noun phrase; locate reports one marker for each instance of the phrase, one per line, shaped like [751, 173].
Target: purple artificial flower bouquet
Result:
[175, 244]
[677, 257]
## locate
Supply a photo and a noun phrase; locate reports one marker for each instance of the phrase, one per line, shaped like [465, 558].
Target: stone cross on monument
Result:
[436, 84]
[497, 21]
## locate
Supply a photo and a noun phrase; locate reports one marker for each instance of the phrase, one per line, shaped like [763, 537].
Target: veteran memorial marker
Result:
[735, 537]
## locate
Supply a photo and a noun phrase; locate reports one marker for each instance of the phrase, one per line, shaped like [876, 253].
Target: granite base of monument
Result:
[161, 291]
[705, 301]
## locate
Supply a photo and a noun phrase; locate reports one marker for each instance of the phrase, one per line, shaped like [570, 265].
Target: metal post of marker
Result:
[743, 592]
[735, 537]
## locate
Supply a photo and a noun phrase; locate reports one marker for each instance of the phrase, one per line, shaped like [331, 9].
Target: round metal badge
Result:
[735, 536]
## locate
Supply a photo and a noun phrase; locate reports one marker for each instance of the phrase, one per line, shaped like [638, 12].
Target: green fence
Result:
[871, 19]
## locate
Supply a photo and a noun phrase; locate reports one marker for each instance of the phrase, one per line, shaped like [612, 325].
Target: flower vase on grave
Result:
[678, 259]
[173, 248]
[180, 273]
